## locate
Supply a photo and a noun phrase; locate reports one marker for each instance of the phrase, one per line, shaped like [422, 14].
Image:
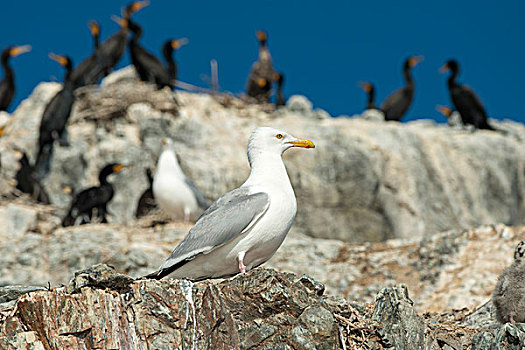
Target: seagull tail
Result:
[155, 275]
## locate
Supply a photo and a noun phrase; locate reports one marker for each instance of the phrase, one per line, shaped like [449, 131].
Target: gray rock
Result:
[375, 180]
[9, 293]
[402, 327]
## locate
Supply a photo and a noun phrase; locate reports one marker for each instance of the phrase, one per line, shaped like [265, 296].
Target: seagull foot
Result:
[242, 268]
[511, 318]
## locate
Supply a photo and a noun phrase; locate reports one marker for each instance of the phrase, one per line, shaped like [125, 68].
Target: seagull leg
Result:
[511, 319]
[240, 258]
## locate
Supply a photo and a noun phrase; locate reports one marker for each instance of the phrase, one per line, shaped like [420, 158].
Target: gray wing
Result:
[201, 199]
[227, 218]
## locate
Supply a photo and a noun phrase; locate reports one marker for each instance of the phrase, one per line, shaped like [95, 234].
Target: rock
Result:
[404, 329]
[299, 103]
[376, 180]
[17, 220]
[14, 292]
[262, 309]
[257, 310]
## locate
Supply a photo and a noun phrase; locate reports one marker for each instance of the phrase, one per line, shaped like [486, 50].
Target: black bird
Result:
[7, 85]
[396, 105]
[147, 200]
[92, 202]
[55, 117]
[112, 49]
[148, 67]
[90, 70]
[261, 74]
[370, 91]
[467, 103]
[279, 97]
[27, 181]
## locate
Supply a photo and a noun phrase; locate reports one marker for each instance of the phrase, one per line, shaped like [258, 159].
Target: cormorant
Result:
[279, 98]
[7, 85]
[148, 67]
[55, 117]
[90, 70]
[370, 90]
[261, 74]
[27, 181]
[176, 194]
[396, 105]
[467, 103]
[112, 49]
[92, 202]
[146, 201]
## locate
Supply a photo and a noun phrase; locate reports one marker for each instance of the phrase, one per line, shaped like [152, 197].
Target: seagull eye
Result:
[279, 136]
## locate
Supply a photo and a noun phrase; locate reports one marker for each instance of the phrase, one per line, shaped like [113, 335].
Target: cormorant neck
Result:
[371, 104]
[103, 176]
[452, 77]
[408, 75]
[167, 52]
[69, 69]
[136, 30]
[8, 71]
[96, 41]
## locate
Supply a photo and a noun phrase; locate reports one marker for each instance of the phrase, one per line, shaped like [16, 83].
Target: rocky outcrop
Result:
[263, 309]
[365, 181]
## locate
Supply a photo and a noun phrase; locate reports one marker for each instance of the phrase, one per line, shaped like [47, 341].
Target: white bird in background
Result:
[245, 227]
[176, 194]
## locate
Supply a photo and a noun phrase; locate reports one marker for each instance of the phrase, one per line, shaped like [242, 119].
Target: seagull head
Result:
[265, 140]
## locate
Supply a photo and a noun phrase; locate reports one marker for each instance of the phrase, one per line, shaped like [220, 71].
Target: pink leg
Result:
[240, 258]
[512, 320]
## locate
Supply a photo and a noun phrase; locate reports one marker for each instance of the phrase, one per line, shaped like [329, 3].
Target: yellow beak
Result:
[18, 50]
[302, 143]
[444, 68]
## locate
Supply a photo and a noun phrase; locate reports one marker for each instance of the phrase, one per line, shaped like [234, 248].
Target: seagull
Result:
[176, 194]
[244, 227]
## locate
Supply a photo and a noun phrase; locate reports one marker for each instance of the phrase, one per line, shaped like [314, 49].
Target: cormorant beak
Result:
[413, 61]
[444, 68]
[367, 87]
[301, 143]
[62, 60]
[446, 111]
[94, 28]
[177, 44]
[276, 76]
[120, 21]
[261, 35]
[67, 190]
[138, 5]
[261, 82]
[18, 50]
[119, 167]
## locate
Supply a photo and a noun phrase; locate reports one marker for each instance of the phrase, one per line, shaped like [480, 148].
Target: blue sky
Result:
[324, 49]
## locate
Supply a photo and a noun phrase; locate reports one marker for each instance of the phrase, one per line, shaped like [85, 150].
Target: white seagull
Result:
[244, 227]
[176, 194]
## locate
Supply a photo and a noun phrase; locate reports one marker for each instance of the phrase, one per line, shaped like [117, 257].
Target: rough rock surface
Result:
[263, 309]
[448, 271]
[377, 180]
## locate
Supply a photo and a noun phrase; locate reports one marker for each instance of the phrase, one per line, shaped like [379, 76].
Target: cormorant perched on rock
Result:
[27, 181]
[55, 117]
[146, 201]
[279, 97]
[112, 49]
[509, 294]
[370, 91]
[7, 85]
[175, 194]
[397, 104]
[92, 202]
[90, 70]
[467, 103]
[148, 67]
[261, 74]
